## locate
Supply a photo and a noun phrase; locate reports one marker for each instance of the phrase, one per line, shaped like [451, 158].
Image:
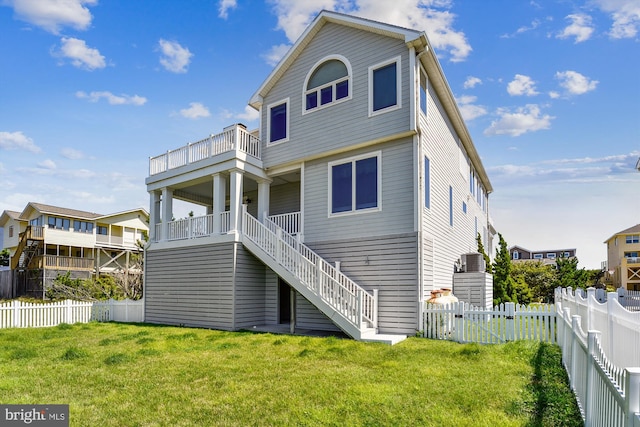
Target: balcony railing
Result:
[234, 139]
[68, 263]
[191, 228]
[632, 260]
[289, 222]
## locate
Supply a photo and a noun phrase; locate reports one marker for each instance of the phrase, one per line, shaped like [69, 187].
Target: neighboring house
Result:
[549, 256]
[623, 259]
[45, 241]
[356, 197]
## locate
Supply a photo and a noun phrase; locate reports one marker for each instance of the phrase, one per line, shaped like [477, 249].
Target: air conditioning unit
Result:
[473, 263]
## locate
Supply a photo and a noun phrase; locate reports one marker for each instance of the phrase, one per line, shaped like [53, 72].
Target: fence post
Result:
[575, 323]
[612, 300]
[16, 313]
[591, 298]
[458, 316]
[592, 340]
[510, 317]
[631, 395]
[68, 315]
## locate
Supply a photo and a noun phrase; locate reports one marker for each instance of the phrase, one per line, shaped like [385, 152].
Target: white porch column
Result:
[235, 199]
[154, 214]
[264, 187]
[219, 196]
[167, 211]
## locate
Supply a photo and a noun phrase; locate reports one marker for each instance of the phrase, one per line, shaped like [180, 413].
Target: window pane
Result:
[59, 223]
[89, 227]
[327, 72]
[278, 122]
[384, 87]
[77, 225]
[51, 222]
[312, 100]
[341, 188]
[342, 89]
[423, 93]
[367, 183]
[326, 95]
[66, 223]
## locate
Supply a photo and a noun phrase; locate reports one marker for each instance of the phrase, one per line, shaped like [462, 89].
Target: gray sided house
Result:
[356, 196]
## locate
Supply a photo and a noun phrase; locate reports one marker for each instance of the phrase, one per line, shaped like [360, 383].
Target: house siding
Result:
[440, 144]
[250, 290]
[334, 126]
[191, 286]
[284, 198]
[309, 317]
[397, 213]
[387, 263]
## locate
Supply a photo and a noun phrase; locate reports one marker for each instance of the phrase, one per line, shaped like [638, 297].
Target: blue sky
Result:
[550, 91]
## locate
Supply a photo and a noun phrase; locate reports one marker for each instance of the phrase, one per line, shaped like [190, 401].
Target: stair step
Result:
[372, 336]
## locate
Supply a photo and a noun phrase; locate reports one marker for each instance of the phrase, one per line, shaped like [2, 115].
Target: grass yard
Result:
[145, 375]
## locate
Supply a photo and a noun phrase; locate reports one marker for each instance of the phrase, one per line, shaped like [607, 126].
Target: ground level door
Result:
[284, 302]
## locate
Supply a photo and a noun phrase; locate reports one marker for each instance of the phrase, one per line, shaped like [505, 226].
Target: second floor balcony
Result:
[234, 139]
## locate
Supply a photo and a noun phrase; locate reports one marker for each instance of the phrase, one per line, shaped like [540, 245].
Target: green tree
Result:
[5, 257]
[567, 274]
[504, 287]
[538, 277]
[487, 260]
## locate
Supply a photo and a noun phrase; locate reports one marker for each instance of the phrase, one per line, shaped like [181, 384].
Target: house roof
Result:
[412, 38]
[7, 215]
[56, 210]
[631, 230]
[537, 251]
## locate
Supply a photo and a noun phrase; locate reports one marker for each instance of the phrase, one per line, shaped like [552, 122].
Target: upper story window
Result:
[36, 222]
[427, 183]
[633, 238]
[423, 92]
[83, 227]
[354, 184]
[278, 121]
[551, 255]
[515, 255]
[58, 223]
[566, 255]
[537, 256]
[384, 87]
[328, 82]
[100, 229]
[11, 231]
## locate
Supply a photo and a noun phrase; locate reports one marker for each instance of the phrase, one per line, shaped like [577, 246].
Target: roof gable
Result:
[631, 230]
[324, 17]
[8, 215]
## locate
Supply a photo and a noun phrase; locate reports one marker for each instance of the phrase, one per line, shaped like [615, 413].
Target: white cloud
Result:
[524, 119]
[52, 15]
[575, 83]
[175, 57]
[581, 28]
[275, 54]
[111, 98]
[47, 164]
[468, 110]
[225, 6]
[472, 82]
[250, 114]
[17, 141]
[433, 17]
[195, 111]
[72, 154]
[522, 85]
[80, 54]
[625, 15]
[554, 95]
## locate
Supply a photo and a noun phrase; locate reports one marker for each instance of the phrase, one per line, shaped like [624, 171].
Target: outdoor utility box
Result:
[473, 262]
[474, 288]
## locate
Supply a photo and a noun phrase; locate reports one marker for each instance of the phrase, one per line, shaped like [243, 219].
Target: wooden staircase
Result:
[30, 247]
[348, 305]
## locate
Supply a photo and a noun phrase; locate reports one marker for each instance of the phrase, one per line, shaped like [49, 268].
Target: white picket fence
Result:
[603, 363]
[464, 323]
[19, 314]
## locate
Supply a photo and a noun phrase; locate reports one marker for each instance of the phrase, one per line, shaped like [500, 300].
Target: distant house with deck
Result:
[546, 256]
[623, 259]
[356, 196]
[46, 240]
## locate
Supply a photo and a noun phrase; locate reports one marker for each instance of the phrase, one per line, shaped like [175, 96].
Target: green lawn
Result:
[144, 375]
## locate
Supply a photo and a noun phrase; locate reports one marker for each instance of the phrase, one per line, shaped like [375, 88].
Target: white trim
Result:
[349, 78]
[352, 160]
[398, 61]
[269, 107]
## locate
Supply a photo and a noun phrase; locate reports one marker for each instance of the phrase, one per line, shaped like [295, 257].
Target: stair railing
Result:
[333, 287]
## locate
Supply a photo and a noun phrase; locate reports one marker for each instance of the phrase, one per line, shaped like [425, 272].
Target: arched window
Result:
[330, 81]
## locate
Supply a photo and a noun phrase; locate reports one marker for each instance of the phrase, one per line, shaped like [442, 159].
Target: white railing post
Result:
[360, 307]
[591, 298]
[375, 309]
[587, 405]
[612, 300]
[16, 313]
[319, 277]
[458, 332]
[631, 395]
[68, 317]
[510, 317]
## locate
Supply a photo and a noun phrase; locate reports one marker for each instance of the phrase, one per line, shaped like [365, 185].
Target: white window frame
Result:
[269, 107]
[349, 79]
[551, 255]
[566, 254]
[632, 239]
[538, 256]
[516, 255]
[397, 60]
[353, 160]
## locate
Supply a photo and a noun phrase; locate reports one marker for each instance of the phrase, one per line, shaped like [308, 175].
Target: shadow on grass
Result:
[555, 403]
